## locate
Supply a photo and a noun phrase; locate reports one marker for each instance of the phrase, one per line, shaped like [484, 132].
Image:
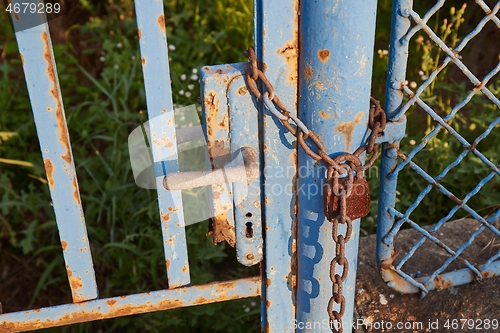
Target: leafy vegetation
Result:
[98, 63]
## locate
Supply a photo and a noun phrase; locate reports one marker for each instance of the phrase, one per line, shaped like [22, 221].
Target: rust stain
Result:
[75, 283]
[323, 55]
[242, 91]
[49, 168]
[167, 263]
[64, 245]
[111, 302]
[22, 58]
[184, 268]
[268, 282]
[143, 60]
[161, 22]
[319, 85]
[139, 33]
[389, 275]
[54, 91]
[308, 73]
[290, 52]
[76, 194]
[165, 217]
[49, 109]
[346, 128]
[200, 300]
[441, 283]
[325, 115]
[268, 304]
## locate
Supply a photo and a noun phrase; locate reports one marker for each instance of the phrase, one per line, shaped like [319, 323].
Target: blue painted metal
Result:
[390, 168]
[215, 124]
[129, 305]
[335, 75]
[244, 118]
[277, 46]
[225, 96]
[42, 81]
[154, 51]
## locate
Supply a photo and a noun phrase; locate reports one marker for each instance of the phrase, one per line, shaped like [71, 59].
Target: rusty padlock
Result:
[357, 201]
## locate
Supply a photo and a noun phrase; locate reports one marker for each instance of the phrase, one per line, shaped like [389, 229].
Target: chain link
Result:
[345, 162]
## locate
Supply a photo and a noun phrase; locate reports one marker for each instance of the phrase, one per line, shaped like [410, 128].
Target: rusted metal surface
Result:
[357, 203]
[129, 305]
[48, 110]
[216, 124]
[245, 137]
[154, 56]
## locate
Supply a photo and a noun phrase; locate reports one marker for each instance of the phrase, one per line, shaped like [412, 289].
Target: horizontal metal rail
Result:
[129, 305]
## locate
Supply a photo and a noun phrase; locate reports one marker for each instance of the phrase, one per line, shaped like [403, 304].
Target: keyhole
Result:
[249, 230]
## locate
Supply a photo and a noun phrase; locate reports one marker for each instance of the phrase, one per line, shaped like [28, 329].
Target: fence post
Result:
[336, 48]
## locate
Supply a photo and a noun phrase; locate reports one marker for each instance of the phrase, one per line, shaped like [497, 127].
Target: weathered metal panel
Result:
[39, 66]
[129, 305]
[154, 56]
[216, 122]
[277, 47]
[336, 53]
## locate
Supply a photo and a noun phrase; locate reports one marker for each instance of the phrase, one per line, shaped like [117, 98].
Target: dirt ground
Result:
[465, 308]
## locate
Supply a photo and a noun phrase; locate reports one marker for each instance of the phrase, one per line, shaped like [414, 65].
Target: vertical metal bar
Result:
[153, 45]
[276, 42]
[35, 48]
[398, 56]
[337, 40]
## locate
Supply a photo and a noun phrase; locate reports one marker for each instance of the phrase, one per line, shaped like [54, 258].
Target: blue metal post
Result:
[394, 96]
[277, 44]
[337, 40]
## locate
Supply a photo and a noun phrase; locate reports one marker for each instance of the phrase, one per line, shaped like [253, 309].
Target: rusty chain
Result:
[347, 162]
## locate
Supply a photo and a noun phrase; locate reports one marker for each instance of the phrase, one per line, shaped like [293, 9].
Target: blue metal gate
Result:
[408, 27]
[321, 71]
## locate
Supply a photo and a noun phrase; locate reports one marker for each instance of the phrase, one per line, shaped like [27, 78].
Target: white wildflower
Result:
[181, 92]
[183, 77]
[194, 77]
[171, 47]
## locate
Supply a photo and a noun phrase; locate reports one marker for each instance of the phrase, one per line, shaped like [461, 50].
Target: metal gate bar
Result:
[35, 47]
[155, 66]
[390, 219]
[129, 305]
